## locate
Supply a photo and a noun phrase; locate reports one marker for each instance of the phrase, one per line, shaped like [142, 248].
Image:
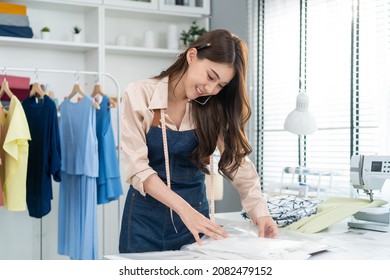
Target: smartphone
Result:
[202, 99]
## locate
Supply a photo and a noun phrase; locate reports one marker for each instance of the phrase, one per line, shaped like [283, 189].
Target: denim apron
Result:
[147, 224]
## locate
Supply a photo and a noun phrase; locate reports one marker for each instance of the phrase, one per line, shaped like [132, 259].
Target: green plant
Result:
[77, 29]
[45, 29]
[189, 36]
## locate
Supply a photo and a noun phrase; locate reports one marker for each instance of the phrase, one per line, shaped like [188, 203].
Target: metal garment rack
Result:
[76, 73]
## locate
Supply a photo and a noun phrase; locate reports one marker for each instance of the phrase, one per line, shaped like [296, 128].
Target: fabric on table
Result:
[331, 211]
[286, 209]
[243, 243]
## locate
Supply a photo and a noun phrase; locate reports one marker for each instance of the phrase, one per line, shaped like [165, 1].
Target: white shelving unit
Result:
[194, 7]
[186, 6]
[98, 51]
[134, 4]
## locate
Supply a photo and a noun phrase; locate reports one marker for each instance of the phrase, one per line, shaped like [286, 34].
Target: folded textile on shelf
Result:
[16, 31]
[15, 9]
[14, 20]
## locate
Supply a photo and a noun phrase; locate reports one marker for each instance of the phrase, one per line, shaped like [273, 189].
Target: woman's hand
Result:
[197, 223]
[194, 221]
[267, 227]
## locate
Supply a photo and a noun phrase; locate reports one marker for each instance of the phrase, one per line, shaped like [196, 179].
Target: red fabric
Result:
[21, 94]
[20, 86]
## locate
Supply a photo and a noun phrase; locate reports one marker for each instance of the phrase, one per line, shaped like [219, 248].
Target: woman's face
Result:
[205, 77]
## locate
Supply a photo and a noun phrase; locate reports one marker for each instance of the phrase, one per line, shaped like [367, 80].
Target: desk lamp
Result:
[301, 122]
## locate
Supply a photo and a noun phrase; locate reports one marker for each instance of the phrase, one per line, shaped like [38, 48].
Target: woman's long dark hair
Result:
[226, 113]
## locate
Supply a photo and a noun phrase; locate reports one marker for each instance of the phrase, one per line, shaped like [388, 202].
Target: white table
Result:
[340, 242]
[343, 242]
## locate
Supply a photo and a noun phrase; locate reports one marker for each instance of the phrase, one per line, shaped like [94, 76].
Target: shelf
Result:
[157, 14]
[198, 8]
[155, 52]
[145, 5]
[47, 44]
[55, 5]
[191, 7]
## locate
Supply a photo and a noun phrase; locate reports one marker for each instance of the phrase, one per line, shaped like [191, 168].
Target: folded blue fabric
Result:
[14, 20]
[286, 209]
[16, 31]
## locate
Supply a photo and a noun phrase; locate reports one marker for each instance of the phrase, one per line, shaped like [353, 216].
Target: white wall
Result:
[231, 15]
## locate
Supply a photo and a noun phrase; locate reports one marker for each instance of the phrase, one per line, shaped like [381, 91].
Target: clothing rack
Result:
[74, 72]
[77, 73]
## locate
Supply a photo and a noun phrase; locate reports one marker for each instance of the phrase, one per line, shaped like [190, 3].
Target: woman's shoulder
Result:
[147, 89]
[144, 85]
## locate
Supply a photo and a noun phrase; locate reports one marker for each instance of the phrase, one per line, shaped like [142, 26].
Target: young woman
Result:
[170, 126]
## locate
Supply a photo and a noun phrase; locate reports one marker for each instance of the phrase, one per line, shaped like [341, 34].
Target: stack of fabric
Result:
[14, 21]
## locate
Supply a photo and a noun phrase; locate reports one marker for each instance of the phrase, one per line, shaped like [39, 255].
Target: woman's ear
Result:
[192, 55]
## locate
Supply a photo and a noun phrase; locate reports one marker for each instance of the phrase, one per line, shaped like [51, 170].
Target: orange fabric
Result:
[7, 8]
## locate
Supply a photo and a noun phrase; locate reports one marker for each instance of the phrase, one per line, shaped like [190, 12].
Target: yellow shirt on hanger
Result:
[14, 151]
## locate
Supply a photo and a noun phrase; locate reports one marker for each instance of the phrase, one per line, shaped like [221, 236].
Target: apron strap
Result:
[156, 118]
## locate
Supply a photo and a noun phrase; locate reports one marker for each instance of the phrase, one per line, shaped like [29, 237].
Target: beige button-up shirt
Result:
[137, 104]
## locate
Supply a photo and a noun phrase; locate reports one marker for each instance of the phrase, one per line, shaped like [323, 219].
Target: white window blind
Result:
[329, 86]
[374, 77]
[342, 50]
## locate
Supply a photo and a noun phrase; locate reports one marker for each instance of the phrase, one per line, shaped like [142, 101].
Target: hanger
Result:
[77, 90]
[36, 90]
[5, 88]
[36, 87]
[97, 90]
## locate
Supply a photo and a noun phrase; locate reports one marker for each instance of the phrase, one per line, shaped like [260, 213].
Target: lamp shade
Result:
[301, 121]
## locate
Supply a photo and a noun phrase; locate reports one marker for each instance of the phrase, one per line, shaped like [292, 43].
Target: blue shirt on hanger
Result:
[44, 159]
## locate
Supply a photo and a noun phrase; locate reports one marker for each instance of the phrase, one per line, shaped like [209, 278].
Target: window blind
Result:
[343, 57]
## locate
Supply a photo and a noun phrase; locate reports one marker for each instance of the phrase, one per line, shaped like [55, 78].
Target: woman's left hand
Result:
[267, 227]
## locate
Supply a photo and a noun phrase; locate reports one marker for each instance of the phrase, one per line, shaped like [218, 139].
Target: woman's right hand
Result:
[197, 223]
[194, 221]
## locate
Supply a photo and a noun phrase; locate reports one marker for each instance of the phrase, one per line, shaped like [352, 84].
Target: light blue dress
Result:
[109, 186]
[77, 214]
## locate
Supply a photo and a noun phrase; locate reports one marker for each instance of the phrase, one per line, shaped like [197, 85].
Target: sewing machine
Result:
[369, 173]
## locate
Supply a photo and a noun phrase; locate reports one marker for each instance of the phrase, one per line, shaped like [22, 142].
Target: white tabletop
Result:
[342, 242]
[337, 242]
